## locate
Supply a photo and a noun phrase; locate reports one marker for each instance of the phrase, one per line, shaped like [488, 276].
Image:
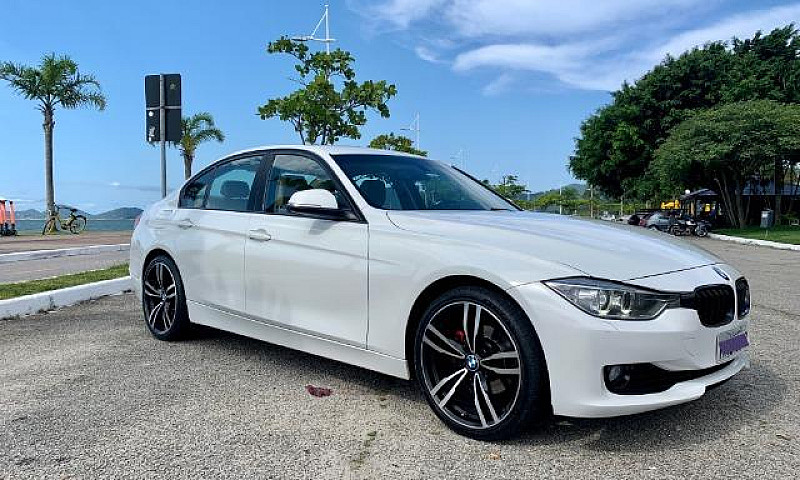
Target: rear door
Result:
[212, 226]
[304, 273]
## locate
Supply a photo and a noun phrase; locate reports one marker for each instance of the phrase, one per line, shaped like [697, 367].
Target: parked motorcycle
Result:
[682, 227]
[702, 228]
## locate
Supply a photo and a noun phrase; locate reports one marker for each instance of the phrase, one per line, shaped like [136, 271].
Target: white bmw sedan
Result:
[412, 268]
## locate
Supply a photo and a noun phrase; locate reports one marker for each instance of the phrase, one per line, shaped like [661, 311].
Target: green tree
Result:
[617, 144]
[197, 129]
[399, 143]
[731, 145]
[55, 82]
[510, 187]
[330, 104]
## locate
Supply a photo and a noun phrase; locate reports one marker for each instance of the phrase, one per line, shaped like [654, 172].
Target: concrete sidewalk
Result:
[24, 243]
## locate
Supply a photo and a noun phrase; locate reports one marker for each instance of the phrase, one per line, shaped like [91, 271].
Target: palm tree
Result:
[195, 130]
[55, 82]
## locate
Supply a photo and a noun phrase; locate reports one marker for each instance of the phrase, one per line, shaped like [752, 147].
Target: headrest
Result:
[374, 191]
[235, 189]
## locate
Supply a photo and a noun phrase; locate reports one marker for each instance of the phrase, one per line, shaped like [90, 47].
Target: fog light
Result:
[617, 377]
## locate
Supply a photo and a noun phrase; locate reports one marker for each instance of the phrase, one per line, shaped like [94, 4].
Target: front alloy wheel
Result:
[163, 299]
[479, 364]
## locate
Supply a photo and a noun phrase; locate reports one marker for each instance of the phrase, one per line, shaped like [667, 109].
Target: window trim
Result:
[258, 181]
[270, 161]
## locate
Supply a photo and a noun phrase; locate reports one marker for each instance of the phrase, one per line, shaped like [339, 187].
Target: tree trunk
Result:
[187, 165]
[741, 215]
[778, 189]
[727, 201]
[48, 125]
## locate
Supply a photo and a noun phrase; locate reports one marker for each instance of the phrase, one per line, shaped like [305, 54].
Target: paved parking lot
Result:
[87, 393]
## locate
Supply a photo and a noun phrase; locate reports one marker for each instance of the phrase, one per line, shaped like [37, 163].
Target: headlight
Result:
[612, 300]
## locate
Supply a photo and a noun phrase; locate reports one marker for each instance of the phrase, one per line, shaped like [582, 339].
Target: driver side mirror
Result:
[316, 202]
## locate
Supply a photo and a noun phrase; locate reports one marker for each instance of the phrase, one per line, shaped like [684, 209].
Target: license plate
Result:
[730, 343]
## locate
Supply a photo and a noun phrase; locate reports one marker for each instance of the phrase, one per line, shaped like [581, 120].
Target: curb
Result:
[753, 241]
[62, 252]
[29, 304]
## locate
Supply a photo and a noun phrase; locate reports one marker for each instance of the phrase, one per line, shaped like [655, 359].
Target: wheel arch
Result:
[155, 252]
[438, 287]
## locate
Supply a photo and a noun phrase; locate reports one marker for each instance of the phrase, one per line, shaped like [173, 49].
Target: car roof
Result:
[326, 149]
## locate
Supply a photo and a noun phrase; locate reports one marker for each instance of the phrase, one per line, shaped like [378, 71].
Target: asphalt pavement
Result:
[52, 267]
[86, 392]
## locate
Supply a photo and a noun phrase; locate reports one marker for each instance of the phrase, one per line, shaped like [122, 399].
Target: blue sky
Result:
[505, 81]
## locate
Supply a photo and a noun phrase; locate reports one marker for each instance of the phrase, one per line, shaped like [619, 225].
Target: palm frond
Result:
[55, 81]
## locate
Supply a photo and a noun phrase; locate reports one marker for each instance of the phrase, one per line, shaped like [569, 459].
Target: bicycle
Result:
[74, 223]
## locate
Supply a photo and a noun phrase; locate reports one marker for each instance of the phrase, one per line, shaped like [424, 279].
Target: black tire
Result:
[481, 420]
[155, 292]
[78, 224]
[49, 226]
[701, 231]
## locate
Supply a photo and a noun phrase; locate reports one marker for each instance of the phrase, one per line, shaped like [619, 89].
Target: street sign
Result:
[162, 98]
[172, 125]
[171, 106]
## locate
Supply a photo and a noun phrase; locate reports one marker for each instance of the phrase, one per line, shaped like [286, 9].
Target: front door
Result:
[212, 224]
[302, 273]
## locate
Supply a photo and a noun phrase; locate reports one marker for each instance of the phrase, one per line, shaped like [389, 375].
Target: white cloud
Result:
[426, 54]
[398, 13]
[740, 25]
[605, 63]
[539, 17]
[499, 84]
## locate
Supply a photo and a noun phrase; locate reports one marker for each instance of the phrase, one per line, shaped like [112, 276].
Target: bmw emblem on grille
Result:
[721, 273]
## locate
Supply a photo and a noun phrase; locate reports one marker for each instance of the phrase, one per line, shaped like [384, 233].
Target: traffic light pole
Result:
[163, 129]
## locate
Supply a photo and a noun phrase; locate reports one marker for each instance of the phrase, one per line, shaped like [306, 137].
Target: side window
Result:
[232, 183]
[195, 192]
[293, 173]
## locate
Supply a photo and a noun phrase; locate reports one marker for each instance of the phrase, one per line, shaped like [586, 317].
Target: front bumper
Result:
[578, 346]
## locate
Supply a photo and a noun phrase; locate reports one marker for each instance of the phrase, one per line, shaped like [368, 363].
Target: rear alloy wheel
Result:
[480, 365]
[163, 299]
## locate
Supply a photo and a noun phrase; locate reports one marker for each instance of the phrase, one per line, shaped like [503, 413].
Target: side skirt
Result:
[305, 342]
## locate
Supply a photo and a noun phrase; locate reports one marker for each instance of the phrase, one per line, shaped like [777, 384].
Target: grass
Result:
[782, 233]
[12, 290]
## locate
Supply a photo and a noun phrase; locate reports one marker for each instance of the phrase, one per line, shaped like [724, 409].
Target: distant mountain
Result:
[30, 214]
[124, 213]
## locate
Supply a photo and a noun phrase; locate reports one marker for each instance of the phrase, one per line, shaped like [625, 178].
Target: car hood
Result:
[595, 248]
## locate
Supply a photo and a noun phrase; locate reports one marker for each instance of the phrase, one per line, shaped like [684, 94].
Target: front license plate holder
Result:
[731, 342]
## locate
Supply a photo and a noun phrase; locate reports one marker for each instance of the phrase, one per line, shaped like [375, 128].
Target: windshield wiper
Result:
[498, 209]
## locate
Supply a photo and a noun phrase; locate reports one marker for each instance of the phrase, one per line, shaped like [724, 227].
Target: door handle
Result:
[259, 235]
[186, 223]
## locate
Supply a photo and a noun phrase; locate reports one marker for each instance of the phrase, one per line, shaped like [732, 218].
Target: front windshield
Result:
[399, 182]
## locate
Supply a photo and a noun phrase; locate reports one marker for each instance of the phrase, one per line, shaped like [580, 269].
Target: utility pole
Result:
[163, 115]
[560, 202]
[162, 119]
[414, 127]
[313, 38]
[591, 201]
[459, 159]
